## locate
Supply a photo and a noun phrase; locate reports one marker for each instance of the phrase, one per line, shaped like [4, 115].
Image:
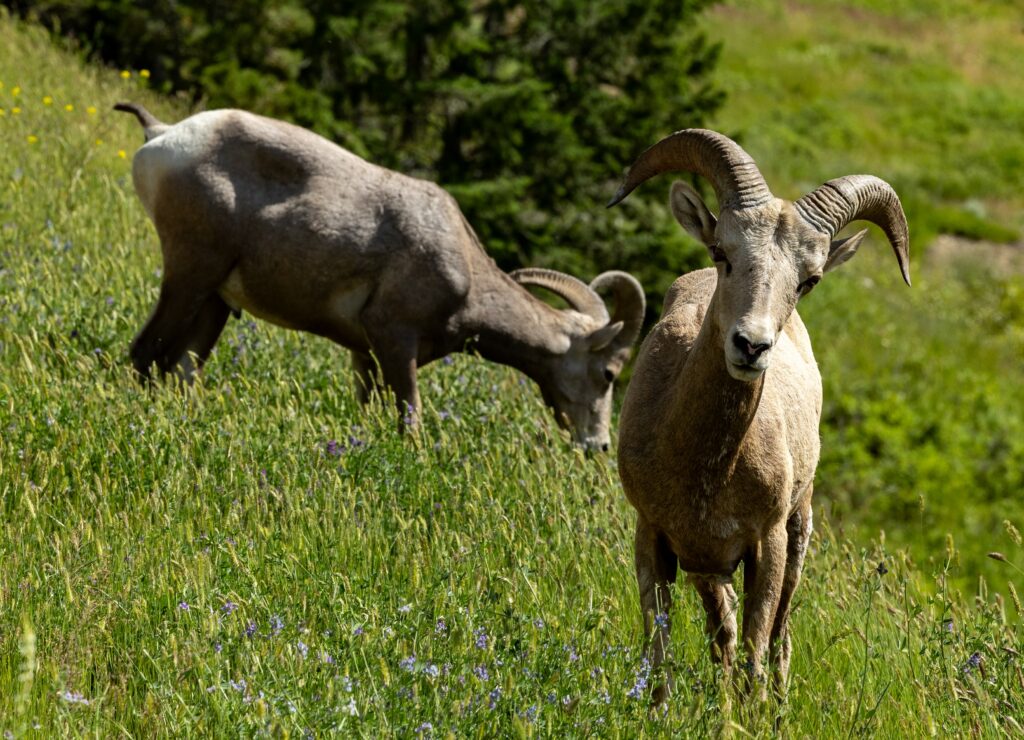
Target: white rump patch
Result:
[181, 146]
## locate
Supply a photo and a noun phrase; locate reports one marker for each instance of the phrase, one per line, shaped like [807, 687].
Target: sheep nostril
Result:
[604, 447]
[751, 350]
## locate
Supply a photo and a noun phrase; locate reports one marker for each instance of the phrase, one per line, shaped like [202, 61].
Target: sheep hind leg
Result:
[195, 345]
[720, 602]
[799, 529]
[176, 308]
[656, 569]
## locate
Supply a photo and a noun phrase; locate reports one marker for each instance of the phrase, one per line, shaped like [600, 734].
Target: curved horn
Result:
[575, 292]
[859, 198]
[630, 302]
[732, 172]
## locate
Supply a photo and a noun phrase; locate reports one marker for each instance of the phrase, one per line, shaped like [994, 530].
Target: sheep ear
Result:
[842, 249]
[691, 213]
[604, 336]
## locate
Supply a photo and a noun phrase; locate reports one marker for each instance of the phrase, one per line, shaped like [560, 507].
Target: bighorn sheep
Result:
[259, 215]
[717, 452]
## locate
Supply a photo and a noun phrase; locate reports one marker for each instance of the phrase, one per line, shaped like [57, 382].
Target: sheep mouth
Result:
[746, 371]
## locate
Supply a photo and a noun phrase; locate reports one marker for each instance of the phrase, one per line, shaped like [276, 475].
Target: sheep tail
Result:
[151, 126]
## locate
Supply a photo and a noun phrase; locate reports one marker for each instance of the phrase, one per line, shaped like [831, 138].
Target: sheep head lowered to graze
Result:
[718, 439]
[259, 215]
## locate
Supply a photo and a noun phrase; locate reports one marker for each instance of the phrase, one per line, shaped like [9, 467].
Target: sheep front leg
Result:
[656, 567]
[365, 368]
[798, 529]
[763, 575]
[719, 601]
[196, 343]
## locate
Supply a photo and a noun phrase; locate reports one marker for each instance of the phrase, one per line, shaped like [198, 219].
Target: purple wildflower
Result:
[573, 655]
[408, 664]
[302, 647]
[73, 697]
[530, 713]
[183, 606]
[441, 627]
[333, 448]
[217, 647]
[424, 729]
[276, 625]
[973, 662]
[432, 670]
[229, 607]
[493, 697]
[947, 625]
[481, 638]
[640, 686]
[404, 608]
[538, 623]
[445, 414]
[250, 629]
[240, 685]
[448, 360]
[481, 672]
[661, 619]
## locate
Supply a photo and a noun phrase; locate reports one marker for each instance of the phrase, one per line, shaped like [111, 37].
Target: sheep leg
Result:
[396, 354]
[656, 567]
[194, 346]
[367, 381]
[177, 306]
[719, 600]
[799, 529]
[763, 574]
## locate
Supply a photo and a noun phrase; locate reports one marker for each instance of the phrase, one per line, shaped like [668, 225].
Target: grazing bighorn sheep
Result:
[259, 215]
[717, 452]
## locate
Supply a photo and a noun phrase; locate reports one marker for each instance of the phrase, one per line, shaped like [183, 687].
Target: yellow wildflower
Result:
[32, 139]
[122, 153]
[69, 107]
[91, 110]
[47, 100]
[125, 74]
[3, 112]
[15, 110]
[99, 142]
[144, 74]
[15, 91]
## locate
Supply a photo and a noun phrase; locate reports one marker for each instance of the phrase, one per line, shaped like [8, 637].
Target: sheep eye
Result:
[718, 255]
[806, 285]
[609, 375]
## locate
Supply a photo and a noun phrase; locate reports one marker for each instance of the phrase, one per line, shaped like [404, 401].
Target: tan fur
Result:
[717, 451]
[258, 215]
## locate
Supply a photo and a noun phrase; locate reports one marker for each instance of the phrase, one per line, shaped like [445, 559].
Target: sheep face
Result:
[580, 387]
[767, 258]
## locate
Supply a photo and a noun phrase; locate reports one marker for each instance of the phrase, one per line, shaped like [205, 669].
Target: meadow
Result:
[259, 556]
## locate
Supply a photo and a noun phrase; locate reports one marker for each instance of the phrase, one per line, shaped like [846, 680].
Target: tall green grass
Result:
[262, 557]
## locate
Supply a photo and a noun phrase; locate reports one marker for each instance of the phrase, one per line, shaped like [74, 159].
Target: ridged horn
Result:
[575, 292]
[629, 299]
[833, 205]
[737, 181]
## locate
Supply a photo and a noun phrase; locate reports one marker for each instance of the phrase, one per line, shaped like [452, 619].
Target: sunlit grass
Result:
[261, 556]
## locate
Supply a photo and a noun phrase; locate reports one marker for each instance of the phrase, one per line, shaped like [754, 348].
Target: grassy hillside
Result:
[928, 95]
[259, 557]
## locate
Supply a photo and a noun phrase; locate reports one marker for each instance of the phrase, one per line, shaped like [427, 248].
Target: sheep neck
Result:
[506, 324]
[710, 402]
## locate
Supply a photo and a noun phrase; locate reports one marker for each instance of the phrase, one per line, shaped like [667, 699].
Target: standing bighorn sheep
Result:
[717, 452]
[259, 215]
